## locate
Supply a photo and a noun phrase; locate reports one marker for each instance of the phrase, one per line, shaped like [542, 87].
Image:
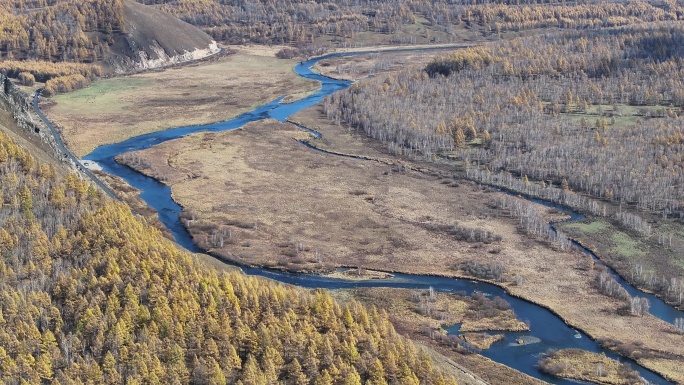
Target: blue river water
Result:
[547, 327]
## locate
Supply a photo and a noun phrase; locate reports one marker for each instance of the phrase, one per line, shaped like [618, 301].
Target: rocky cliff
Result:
[154, 39]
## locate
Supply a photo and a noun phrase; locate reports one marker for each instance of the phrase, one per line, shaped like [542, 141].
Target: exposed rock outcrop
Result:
[154, 39]
[19, 104]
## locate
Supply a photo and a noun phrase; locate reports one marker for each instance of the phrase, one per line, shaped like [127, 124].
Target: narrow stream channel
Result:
[551, 331]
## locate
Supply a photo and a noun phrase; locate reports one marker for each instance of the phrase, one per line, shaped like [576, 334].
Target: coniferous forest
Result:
[82, 31]
[577, 102]
[89, 293]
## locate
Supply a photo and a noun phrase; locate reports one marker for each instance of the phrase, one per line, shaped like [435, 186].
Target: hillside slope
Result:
[91, 294]
[121, 34]
[152, 38]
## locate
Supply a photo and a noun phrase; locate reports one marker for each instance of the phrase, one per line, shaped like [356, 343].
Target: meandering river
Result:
[551, 331]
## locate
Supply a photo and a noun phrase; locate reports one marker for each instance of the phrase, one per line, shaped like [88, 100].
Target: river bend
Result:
[547, 327]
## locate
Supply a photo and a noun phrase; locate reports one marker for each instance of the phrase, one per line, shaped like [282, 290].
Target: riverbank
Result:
[112, 110]
[557, 280]
[406, 212]
[649, 262]
[586, 366]
[535, 262]
[662, 358]
[358, 274]
[475, 313]
[408, 318]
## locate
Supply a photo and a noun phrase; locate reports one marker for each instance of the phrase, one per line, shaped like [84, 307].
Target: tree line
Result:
[42, 71]
[499, 108]
[58, 30]
[82, 31]
[90, 293]
[297, 21]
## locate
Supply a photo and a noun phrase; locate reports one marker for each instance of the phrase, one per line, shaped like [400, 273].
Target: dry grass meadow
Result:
[587, 366]
[361, 66]
[112, 110]
[273, 202]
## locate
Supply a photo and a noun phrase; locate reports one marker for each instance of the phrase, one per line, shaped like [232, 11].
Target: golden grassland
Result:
[301, 209]
[112, 110]
[283, 205]
[587, 366]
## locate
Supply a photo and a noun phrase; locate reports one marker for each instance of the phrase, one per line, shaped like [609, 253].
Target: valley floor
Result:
[283, 205]
[257, 196]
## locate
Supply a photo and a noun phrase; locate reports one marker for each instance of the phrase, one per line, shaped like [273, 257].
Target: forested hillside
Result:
[300, 21]
[119, 35]
[59, 30]
[90, 294]
[84, 31]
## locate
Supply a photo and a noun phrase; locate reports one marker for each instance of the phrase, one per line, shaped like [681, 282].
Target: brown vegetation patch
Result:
[433, 310]
[587, 366]
[482, 341]
[276, 210]
[485, 314]
[359, 274]
[405, 315]
[408, 306]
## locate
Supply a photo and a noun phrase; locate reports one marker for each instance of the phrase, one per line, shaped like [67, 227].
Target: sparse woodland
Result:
[551, 108]
[296, 21]
[561, 116]
[72, 31]
[90, 294]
